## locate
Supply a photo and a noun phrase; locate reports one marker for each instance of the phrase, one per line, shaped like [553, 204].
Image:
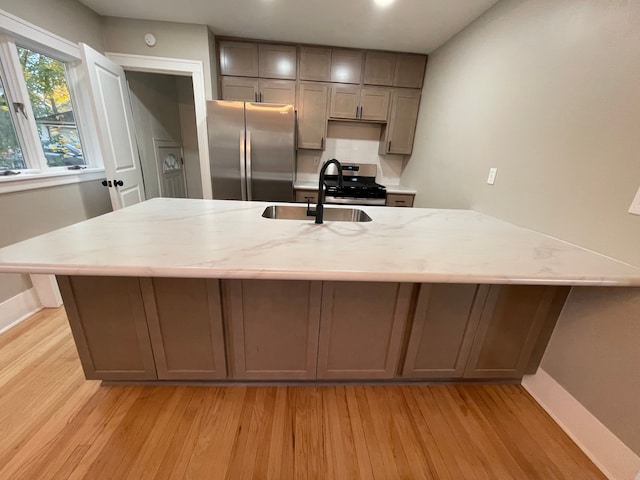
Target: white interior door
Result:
[170, 169]
[114, 123]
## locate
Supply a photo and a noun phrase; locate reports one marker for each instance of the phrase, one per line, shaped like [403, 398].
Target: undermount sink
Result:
[284, 212]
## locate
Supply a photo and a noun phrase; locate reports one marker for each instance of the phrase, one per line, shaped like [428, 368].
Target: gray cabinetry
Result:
[248, 59]
[312, 104]
[355, 103]
[409, 70]
[185, 324]
[239, 59]
[516, 323]
[361, 329]
[315, 64]
[444, 324]
[397, 136]
[346, 65]
[244, 89]
[107, 319]
[379, 68]
[272, 328]
[277, 61]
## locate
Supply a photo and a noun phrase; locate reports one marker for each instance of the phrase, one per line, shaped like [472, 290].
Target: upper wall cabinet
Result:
[315, 64]
[394, 69]
[239, 59]
[246, 59]
[379, 68]
[409, 70]
[277, 61]
[397, 136]
[242, 89]
[346, 66]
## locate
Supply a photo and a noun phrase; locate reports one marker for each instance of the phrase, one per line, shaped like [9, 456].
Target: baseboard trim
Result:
[18, 308]
[614, 458]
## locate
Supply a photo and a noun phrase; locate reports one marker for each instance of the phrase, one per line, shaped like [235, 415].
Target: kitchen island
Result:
[174, 289]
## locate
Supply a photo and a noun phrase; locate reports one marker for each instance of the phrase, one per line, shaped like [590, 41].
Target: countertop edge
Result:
[319, 276]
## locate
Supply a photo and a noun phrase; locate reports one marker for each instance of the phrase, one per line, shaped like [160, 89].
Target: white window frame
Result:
[14, 30]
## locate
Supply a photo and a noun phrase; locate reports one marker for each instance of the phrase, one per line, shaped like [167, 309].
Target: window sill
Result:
[34, 179]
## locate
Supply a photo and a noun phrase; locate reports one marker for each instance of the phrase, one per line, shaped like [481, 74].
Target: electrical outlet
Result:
[316, 160]
[635, 209]
[491, 179]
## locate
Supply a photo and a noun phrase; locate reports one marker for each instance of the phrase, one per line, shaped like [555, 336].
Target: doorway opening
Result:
[165, 125]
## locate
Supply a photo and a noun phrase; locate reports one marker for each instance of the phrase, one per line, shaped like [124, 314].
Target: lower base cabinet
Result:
[272, 328]
[137, 329]
[109, 326]
[184, 316]
[361, 329]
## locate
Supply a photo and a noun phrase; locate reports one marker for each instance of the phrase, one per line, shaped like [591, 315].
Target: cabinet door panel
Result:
[379, 68]
[107, 319]
[361, 329]
[346, 66]
[315, 64]
[273, 328]
[238, 89]
[185, 324]
[278, 91]
[443, 329]
[312, 106]
[512, 323]
[277, 61]
[345, 102]
[374, 104]
[409, 70]
[239, 59]
[401, 129]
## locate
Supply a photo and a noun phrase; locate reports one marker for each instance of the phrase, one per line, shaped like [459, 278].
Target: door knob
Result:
[106, 183]
[118, 183]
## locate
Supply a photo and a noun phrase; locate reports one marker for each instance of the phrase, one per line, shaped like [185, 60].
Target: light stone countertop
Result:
[229, 239]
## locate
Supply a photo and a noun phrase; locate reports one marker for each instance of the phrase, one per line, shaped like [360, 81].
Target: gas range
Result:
[358, 185]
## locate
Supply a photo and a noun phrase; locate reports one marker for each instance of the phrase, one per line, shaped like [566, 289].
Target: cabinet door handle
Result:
[260, 97]
[255, 96]
[389, 147]
[357, 110]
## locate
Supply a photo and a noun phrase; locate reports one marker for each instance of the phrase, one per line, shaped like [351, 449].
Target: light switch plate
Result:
[635, 205]
[491, 179]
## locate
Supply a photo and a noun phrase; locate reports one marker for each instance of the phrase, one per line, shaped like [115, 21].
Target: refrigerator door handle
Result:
[248, 167]
[243, 168]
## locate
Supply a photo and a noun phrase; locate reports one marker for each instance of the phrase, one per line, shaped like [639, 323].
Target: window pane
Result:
[51, 103]
[10, 152]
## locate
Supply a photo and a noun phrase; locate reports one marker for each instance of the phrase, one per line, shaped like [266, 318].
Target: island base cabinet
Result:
[444, 325]
[272, 328]
[107, 319]
[362, 328]
[185, 325]
[514, 329]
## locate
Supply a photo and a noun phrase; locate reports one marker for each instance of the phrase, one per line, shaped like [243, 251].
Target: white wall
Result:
[351, 142]
[548, 91]
[173, 40]
[66, 18]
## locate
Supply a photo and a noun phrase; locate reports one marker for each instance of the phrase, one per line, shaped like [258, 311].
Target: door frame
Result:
[186, 68]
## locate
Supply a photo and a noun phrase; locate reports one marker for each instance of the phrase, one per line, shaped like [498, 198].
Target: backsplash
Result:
[351, 142]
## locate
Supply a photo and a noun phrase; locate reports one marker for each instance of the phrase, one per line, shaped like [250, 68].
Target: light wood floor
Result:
[56, 425]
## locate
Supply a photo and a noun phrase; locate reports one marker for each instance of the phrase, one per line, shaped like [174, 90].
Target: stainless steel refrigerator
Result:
[251, 150]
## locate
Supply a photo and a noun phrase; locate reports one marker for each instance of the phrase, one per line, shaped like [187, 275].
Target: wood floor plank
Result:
[56, 425]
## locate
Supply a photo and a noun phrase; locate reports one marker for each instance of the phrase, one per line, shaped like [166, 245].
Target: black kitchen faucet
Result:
[319, 211]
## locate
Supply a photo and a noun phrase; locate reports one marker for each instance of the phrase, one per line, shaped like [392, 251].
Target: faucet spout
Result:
[319, 213]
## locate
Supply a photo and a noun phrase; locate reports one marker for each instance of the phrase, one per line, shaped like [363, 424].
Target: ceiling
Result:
[406, 25]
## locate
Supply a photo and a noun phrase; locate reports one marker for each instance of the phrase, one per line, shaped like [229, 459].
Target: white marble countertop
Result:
[390, 188]
[228, 239]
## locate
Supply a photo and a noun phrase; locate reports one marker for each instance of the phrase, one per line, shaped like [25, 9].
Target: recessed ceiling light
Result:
[383, 3]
